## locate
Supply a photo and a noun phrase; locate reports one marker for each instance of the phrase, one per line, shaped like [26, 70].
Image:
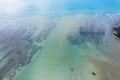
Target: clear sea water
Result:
[91, 47]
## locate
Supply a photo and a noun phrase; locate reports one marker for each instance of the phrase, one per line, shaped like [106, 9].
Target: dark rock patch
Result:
[94, 74]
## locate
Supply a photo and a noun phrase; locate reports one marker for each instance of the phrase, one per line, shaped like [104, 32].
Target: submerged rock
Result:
[17, 44]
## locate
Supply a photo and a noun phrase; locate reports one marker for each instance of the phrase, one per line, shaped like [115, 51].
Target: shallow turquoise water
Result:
[61, 60]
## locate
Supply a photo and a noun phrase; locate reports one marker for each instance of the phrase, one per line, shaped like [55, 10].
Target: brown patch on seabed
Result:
[109, 71]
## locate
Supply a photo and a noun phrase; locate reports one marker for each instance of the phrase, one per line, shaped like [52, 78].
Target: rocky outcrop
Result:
[116, 32]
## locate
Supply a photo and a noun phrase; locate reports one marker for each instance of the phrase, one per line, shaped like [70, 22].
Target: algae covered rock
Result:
[116, 31]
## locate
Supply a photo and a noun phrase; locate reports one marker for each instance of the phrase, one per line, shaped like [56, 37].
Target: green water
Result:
[60, 60]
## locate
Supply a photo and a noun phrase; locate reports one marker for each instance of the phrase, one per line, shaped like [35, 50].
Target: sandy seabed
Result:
[91, 59]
